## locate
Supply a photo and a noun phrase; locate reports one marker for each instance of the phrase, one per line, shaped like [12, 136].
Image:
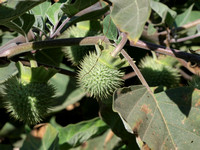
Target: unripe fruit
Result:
[158, 74]
[29, 98]
[83, 29]
[30, 102]
[97, 78]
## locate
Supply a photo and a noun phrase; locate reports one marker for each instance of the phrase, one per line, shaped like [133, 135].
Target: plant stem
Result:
[135, 68]
[120, 45]
[184, 39]
[25, 47]
[186, 26]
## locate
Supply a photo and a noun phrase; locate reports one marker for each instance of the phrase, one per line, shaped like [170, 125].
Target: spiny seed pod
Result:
[97, 78]
[156, 73]
[27, 102]
[195, 82]
[76, 53]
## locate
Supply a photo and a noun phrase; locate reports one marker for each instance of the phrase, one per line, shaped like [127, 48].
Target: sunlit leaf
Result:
[130, 16]
[170, 120]
[54, 13]
[184, 17]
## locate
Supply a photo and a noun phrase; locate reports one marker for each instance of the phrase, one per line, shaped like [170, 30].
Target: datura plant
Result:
[99, 72]
[157, 73]
[28, 98]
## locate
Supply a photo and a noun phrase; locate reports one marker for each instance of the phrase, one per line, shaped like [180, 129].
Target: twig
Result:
[82, 12]
[167, 51]
[186, 26]
[129, 75]
[185, 75]
[135, 68]
[25, 47]
[184, 39]
[57, 32]
[120, 45]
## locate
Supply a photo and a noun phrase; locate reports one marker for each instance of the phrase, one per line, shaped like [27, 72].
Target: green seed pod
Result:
[83, 29]
[158, 74]
[195, 82]
[27, 102]
[97, 78]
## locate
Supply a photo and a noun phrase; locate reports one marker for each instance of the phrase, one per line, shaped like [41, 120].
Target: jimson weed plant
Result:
[99, 74]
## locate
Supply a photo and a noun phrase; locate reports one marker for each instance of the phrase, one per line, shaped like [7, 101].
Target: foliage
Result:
[66, 80]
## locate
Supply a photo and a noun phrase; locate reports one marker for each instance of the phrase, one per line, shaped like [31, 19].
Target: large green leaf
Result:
[14, 9]
[130, 16]
[71, 8]
[164, 12]
[75, 134]
[22, 24]
[170, 120]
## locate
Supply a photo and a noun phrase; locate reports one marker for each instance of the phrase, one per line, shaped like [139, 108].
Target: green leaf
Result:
[40, 14]
[35, 74]
[170, 120]
[48, 142]
[41, 9]
[71, 9]
[7, 71]
[15, 9]
[101, 143]
[164, 12]
[130, 16]
[109, 28]
[151, 30]
[66, 91]
[54, 13]
[22, 24]
[6, 147]
[184, 17]
[50, 56]
[75, 134]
